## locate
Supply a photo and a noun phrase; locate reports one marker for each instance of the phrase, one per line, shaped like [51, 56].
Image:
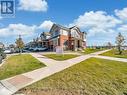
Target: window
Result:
[54, 42]
[75, 34]
[65, 33]
[47, 37]
[56, 33]
[65, 42]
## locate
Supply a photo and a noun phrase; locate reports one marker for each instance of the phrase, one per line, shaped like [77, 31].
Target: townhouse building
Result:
[66, 38]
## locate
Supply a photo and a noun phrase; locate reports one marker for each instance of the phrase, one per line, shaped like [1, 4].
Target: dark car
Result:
[1, 59]
[2, 54]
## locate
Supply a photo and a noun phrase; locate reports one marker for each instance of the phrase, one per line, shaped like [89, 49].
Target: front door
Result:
[78, 43]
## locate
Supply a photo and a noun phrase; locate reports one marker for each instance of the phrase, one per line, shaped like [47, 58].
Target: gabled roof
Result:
[45, 33]
[67, 29]
[78, 29]
[60, 26]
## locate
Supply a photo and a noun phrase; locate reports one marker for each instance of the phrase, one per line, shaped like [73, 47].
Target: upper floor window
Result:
[75, 34]
[56, 33]
[65, 42]
[47, 37]
[65, 32]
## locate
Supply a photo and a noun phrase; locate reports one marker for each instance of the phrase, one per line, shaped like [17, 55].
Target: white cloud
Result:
[123, 28]
[46, 25]
[33, 5]
[122, 14]
[17, 29]
[1, 23]
[24, 30]
[96, 22]
[0, 17]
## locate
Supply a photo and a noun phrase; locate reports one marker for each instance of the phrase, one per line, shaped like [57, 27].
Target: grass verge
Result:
[114, 53]
[91, 77]
[61, 57]
[90, 50]
[18, 64]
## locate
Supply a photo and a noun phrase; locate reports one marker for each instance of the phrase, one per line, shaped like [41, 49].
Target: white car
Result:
[39, 49]
[7, 51]
[42, 49]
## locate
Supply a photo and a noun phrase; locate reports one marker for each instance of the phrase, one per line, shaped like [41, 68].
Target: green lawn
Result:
[18, 64]
[114, 53]
[61, 57]
[91, 77]
[90, 50]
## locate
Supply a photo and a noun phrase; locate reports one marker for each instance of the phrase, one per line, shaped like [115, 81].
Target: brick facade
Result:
[67, 38]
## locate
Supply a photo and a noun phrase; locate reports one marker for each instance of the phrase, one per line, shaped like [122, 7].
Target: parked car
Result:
[7, 51]
[1, 59]
[39, 49]
[31, 49]
[2, 55]
[24, 50]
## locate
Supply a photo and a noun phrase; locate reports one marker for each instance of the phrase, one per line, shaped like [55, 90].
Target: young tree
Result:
[109, 45]
[19, 44]
[120, 40]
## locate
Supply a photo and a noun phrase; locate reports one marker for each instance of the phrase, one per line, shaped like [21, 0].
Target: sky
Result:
[102, 20]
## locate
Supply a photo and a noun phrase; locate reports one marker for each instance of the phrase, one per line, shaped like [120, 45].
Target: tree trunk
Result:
[119, 49]
[20, 51]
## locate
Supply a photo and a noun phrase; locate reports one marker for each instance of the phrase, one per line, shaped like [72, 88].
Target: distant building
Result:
[1, 45]
[67, 38]
[35, 43]
[45, 36]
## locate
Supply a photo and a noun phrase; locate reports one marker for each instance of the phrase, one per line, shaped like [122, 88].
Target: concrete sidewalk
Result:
[99, 52]
[43, 59]
[111, 58]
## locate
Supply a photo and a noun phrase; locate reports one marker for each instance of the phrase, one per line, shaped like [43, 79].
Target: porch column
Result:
[81, 44]
[75, 45]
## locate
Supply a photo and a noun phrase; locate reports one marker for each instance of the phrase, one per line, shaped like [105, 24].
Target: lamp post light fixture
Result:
[72, 43]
